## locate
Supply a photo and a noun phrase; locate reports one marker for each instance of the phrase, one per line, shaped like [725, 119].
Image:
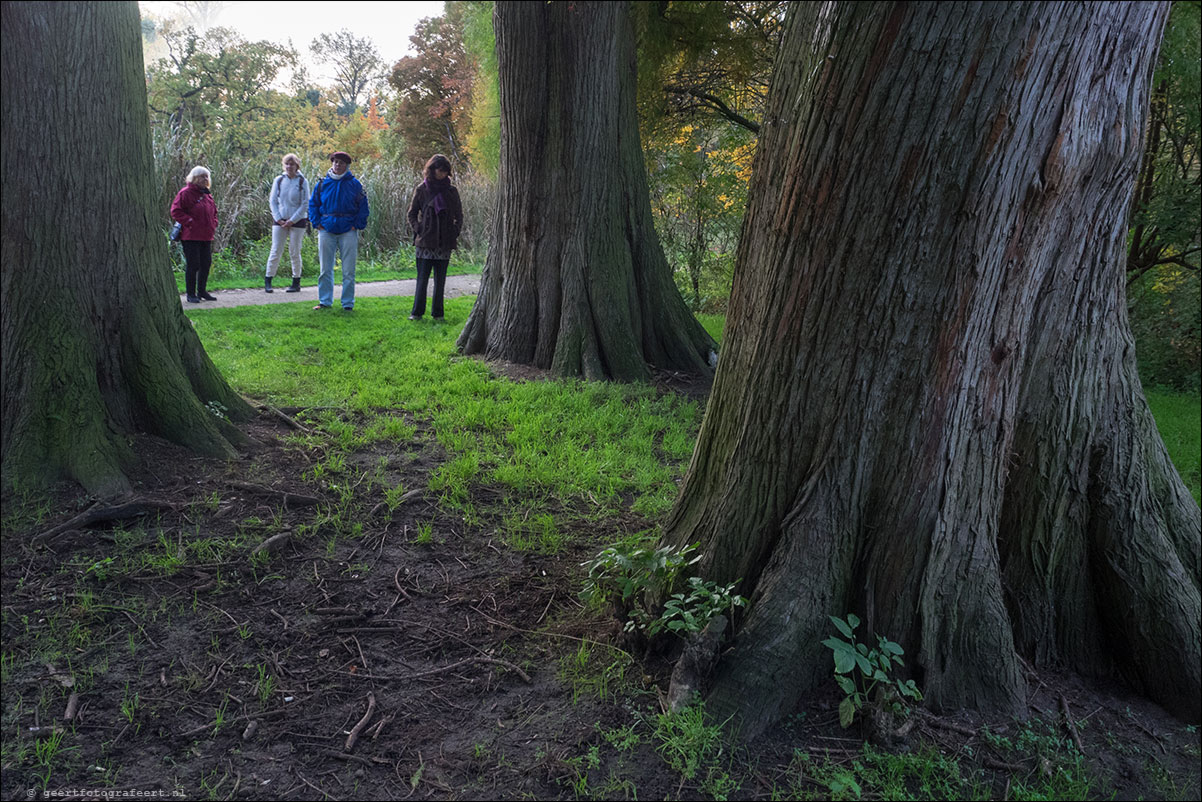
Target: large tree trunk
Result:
[927, 410]
[575, 279]
[95, 345]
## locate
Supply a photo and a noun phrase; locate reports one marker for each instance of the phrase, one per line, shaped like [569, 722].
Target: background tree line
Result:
[237, 106]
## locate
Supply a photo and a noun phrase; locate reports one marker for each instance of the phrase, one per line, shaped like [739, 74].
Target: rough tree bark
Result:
[927, 410]
[575, 280]
[95, 345]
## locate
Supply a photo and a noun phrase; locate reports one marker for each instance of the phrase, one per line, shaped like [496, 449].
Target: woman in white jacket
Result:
[289, 201]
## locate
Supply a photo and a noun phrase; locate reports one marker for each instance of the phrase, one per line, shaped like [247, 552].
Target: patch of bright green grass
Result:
[533, 532]
[713, 324]
[597, 442]
[1179, 419]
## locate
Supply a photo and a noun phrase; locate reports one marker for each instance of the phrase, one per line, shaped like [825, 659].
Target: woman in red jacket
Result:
[196, 213]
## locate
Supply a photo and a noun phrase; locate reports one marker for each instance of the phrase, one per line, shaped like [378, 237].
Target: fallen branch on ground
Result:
[295, 424]
[358, 728]
[271, 543]
[96, 513]
[210, 725]
[1072, 727]
[288, 499]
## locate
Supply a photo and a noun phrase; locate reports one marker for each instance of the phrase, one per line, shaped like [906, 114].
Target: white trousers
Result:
[294, 236]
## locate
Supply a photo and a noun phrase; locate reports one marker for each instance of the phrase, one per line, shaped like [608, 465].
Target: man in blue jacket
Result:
[338, 210]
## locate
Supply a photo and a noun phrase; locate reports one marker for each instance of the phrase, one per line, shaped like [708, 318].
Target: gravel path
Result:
[456, 286]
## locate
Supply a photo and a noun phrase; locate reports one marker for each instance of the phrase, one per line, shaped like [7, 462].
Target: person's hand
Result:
[287, 224]
[280, 222]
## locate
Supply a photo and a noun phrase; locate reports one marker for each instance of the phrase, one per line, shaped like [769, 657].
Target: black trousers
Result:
[198, 258]
[424, 268]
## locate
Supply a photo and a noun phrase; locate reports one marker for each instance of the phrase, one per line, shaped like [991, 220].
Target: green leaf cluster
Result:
[864, 673]
[629, 570]
[632, 575]
[689, 611]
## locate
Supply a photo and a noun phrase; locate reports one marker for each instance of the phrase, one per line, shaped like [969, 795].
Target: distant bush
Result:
[1164, 307]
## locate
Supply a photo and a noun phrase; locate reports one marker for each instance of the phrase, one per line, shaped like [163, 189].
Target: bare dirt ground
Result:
[406, 654]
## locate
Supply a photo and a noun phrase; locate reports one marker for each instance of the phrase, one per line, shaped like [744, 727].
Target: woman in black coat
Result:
[435, 216]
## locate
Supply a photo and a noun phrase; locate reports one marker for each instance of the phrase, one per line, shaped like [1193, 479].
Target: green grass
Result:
[1178, 417]
[600, 444]
[593, 442]
[713, 324]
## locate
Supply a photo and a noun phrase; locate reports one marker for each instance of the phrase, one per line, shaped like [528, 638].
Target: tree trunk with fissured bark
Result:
[95, 345]
[927, 410]
[575, 280]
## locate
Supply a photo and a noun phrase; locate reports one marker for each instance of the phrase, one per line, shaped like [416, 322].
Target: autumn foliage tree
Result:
[434, 88]
[927, 410]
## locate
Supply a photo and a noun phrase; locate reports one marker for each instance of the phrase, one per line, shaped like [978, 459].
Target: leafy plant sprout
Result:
[863, 673]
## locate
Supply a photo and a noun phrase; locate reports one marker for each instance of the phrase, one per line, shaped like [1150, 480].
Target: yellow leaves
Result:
[1168, 279]
[684, 136]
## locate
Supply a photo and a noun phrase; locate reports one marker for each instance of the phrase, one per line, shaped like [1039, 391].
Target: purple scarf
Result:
[437, 187]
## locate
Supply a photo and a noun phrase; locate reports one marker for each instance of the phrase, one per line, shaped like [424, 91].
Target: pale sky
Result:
[388, 24]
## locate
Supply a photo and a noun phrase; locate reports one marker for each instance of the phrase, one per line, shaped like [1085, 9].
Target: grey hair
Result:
[199, 171]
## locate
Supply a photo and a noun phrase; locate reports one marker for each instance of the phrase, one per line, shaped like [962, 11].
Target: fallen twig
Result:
[358, 728]
[287, 499]
[376, 730]
[96, 513]
[525, 677]
[335, 611]
[295, 424]
[576, 638]
[140, 628]
[345, 756]
[321, 791]
[72, 707]
[209, 725]
[1072, 727]
[396, 580]
[271, 543]
[1013, 768]
[935, 721]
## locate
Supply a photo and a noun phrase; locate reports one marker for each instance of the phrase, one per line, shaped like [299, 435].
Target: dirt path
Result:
[456, 286]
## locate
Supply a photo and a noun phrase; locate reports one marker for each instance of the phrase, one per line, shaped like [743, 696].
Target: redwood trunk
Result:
[95, 345]
[575, 280]
[927, 410]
